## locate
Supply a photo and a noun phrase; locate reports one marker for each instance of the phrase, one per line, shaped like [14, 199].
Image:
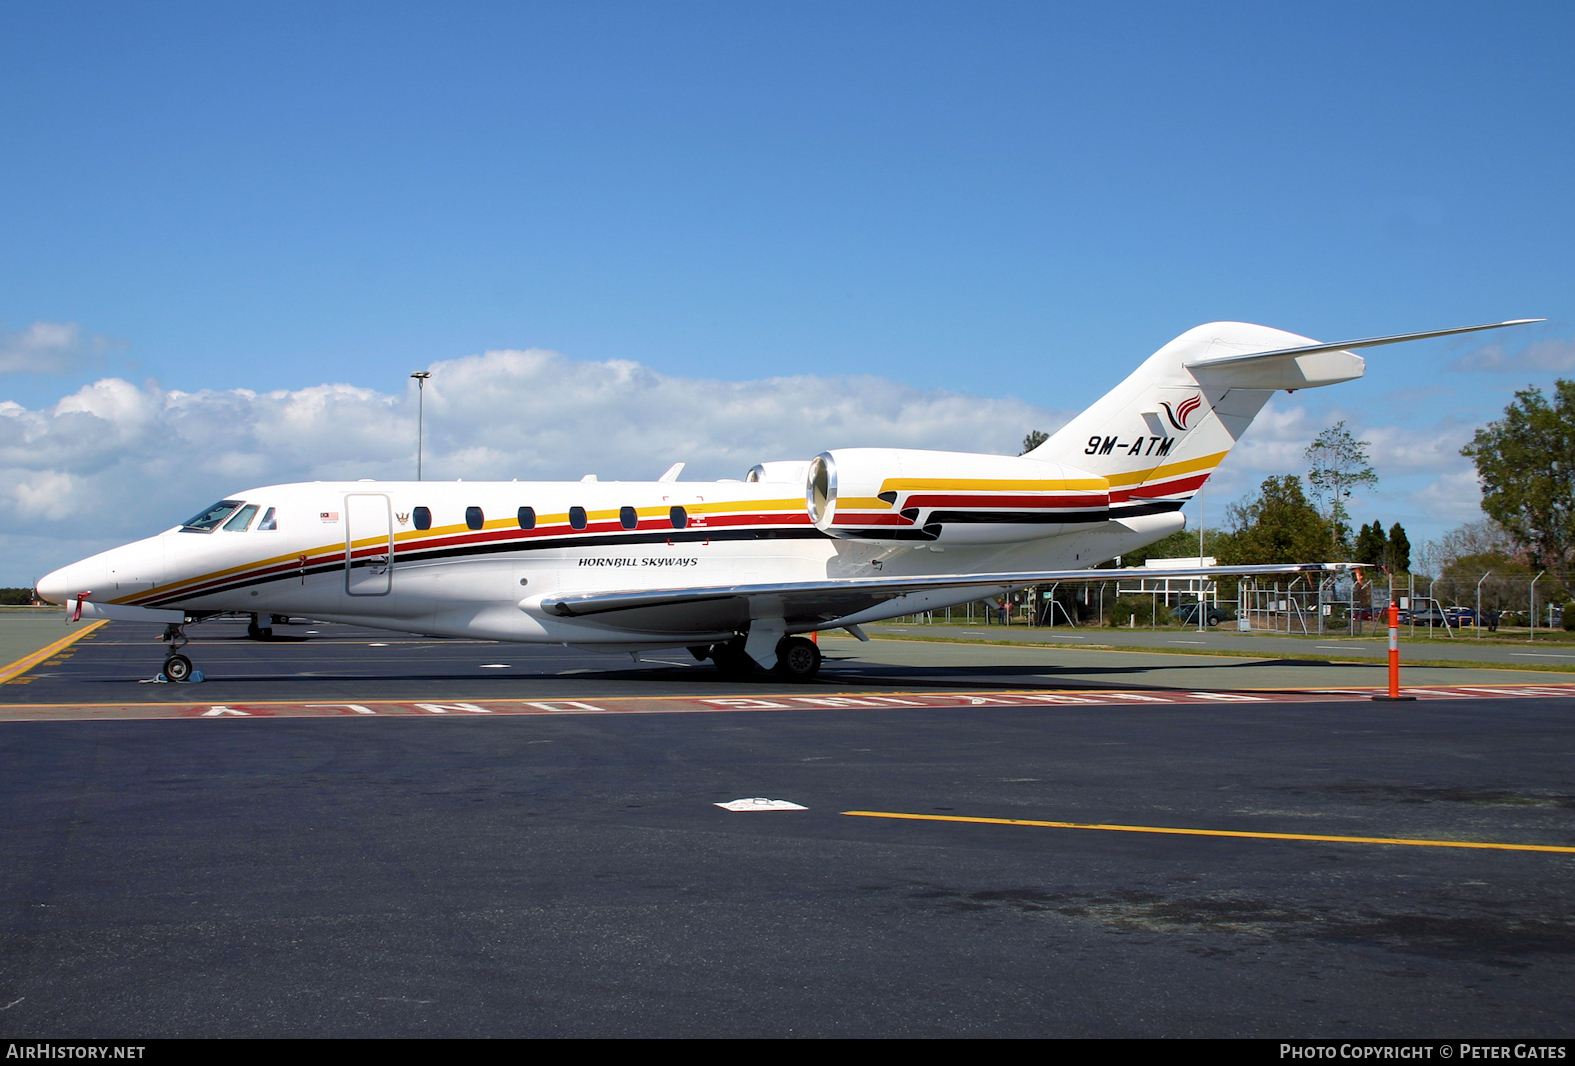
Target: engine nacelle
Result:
[900, 494]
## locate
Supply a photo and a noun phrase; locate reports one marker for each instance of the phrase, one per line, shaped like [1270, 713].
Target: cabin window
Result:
[269, 521]
[242, 519]
[474, 519]
[527, 518]
[207, 520]
[422, 517]
[627, 518]
[679, 517]
[577, 517]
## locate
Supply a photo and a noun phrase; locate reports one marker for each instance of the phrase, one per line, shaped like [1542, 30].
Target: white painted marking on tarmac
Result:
[1235, 697]
[1543, 654]
[377, 645]
[760, 803]
[445, 708]
[1185, 642]
[356, 707]
[747, 704]
[221, 711]
[1501, 691]
[1135, 696]
[564, 707]
[497, 666]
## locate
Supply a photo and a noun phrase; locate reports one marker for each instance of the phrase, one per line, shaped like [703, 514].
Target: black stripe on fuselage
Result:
[503, 547]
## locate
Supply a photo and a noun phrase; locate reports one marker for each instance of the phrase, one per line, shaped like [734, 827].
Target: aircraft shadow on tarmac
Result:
[940, 678]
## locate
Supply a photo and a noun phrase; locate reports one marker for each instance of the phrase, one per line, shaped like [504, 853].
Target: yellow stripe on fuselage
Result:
[1186, 466]
[1093, 484]
[605, 515]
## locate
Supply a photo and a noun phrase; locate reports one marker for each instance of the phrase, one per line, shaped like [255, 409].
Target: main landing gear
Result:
[798, 659]
[177, 667]
[257, 631]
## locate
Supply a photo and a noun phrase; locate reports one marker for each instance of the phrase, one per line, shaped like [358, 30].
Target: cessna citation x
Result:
[733, 571]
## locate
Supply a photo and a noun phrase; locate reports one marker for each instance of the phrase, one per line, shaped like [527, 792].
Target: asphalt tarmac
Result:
[568, 873]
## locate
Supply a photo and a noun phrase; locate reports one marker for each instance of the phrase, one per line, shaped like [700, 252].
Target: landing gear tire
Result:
[177, 668]
[798, 659]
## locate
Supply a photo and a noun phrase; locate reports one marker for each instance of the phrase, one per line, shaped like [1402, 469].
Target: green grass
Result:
[1405, 660]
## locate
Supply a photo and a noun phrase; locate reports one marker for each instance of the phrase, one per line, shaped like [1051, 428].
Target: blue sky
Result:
[1009, 201]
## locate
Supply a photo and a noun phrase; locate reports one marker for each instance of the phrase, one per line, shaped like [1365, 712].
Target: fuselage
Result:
[475, 558]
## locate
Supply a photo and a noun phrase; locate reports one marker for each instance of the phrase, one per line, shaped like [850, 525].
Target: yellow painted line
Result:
[1219, 832]
[27, 662]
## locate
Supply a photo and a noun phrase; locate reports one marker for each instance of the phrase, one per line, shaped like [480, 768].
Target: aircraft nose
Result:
[62, 584]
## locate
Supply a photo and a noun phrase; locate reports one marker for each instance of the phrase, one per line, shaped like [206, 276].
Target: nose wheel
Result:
[177, 667]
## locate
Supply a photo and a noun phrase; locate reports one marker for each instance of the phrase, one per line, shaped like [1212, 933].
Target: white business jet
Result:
[733, 571]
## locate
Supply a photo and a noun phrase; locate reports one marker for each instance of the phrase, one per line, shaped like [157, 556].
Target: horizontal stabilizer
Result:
[1340, 346]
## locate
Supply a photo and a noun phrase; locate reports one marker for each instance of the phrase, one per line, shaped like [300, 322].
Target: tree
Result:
[1397, 550]
[1339, 465]
[1182, 544]
[1467, 542]
[1034, 439]
[1370, 545]
[1279, 525]
[1526, 463]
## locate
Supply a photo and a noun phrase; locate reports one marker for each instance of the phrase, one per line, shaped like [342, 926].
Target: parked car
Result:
[1461, 616]
[1425, 616]
[1187, 614]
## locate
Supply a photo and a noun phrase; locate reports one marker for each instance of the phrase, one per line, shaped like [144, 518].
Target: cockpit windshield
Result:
[208, 519]
[242, 519]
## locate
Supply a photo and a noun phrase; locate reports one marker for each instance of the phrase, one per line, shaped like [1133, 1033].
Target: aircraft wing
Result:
[835, 602]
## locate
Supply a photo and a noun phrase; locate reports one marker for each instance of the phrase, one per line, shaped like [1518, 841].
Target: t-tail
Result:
[1158, 435]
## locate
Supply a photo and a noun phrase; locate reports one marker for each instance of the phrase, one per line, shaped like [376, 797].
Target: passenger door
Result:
[369, 544]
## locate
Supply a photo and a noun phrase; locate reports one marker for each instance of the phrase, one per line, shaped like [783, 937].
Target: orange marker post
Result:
[1394, 657]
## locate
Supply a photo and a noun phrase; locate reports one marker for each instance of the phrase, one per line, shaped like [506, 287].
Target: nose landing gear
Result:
[177, 667]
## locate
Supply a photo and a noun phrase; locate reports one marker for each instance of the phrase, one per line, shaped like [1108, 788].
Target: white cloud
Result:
[51, 348]
[1456, 497]
[116, 460]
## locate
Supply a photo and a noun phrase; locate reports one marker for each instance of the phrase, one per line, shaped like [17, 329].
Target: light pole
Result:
[1202, 612]
[1478, 618]
[421, 395]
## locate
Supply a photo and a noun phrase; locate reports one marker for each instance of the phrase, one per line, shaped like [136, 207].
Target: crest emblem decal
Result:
[1184, 410]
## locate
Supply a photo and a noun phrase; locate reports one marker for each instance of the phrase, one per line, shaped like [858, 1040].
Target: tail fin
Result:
[1158, 435]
